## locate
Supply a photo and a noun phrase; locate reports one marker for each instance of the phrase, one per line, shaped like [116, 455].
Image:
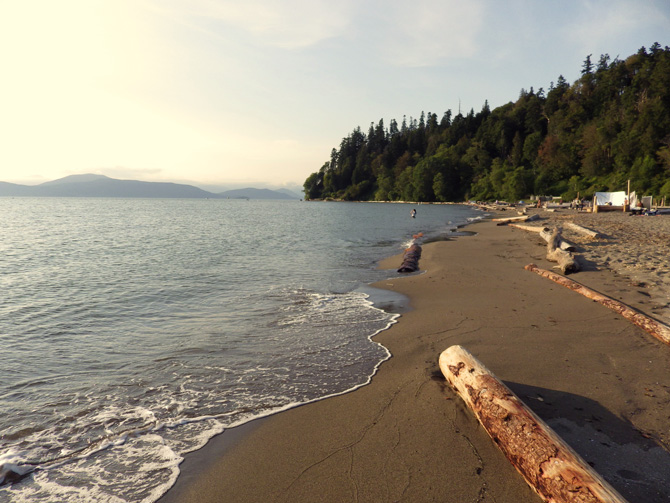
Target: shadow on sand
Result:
[634, 464]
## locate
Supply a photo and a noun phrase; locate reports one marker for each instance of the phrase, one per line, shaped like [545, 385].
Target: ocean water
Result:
[132, 330]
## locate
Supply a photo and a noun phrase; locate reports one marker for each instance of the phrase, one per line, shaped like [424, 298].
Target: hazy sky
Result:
[219, 91]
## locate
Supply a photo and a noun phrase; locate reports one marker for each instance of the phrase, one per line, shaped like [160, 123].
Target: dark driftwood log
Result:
[410, 260]
[566, 261]
[650, 325]
[549, 465]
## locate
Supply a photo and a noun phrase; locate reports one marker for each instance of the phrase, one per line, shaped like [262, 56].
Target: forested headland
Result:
[610, 126]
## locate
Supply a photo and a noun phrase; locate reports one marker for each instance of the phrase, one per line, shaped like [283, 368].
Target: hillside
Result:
[610, 126]
[251, 193]
[90, 185]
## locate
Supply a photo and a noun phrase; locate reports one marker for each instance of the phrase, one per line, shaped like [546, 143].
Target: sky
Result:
[258, 92]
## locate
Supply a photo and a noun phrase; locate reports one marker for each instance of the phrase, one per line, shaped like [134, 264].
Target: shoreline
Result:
[407, 436]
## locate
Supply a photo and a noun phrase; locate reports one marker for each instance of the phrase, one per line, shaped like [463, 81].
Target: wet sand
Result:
[602, 383]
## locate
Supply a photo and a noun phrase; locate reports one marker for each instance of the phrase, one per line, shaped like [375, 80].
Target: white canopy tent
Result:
[611, 198]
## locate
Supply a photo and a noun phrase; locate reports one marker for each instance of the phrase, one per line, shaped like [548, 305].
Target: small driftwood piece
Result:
[566, 261]
[524, 218]
[648, 324]
[410, 260]
[582, 230]
[548, 464]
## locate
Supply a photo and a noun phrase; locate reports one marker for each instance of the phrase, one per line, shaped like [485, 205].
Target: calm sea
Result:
[134, 330]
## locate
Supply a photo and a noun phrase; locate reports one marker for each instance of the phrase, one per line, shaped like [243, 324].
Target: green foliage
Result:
[384, 190]
[311, 186]
[665, 191]
[611, 125]
[517, 185]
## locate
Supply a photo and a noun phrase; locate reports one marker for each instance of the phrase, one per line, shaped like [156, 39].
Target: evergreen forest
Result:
[610, 126]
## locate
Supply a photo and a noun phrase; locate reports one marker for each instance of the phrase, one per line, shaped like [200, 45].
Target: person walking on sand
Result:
[413, 213]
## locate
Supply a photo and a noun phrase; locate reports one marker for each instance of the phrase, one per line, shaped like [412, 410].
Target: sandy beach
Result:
[635, 247]
[599, 381]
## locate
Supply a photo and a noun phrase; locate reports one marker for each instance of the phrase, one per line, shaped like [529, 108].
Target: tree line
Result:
[610, 126]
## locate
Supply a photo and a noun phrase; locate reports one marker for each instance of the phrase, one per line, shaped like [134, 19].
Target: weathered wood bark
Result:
[650, 325]
[410, 260]
[566, 261]
[549, 465]
[582, 230]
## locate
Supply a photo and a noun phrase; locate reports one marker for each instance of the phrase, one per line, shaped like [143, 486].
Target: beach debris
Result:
[492, 207]
[566, 261]
[524, 218]
[583, 230]
[560, 241]
[545, 233]
[547, 463]
[529, 228]
[410, 260]
[654, 327]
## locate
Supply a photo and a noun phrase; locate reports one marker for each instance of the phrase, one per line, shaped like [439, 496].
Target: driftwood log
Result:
[648, 324]
[549, 465]
[524, 218]
[545, 233]
[529, 228]
[566, 261]
[410, 260]
[490, 207]
[582, 230]
[559, 240]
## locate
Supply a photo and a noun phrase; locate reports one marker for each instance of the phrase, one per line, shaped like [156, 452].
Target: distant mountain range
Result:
[102, 186]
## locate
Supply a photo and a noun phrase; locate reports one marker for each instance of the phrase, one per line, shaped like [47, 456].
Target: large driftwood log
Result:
[410, 260]
[650, 325]
[566, 261]
[582, 230]
[549, 465]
